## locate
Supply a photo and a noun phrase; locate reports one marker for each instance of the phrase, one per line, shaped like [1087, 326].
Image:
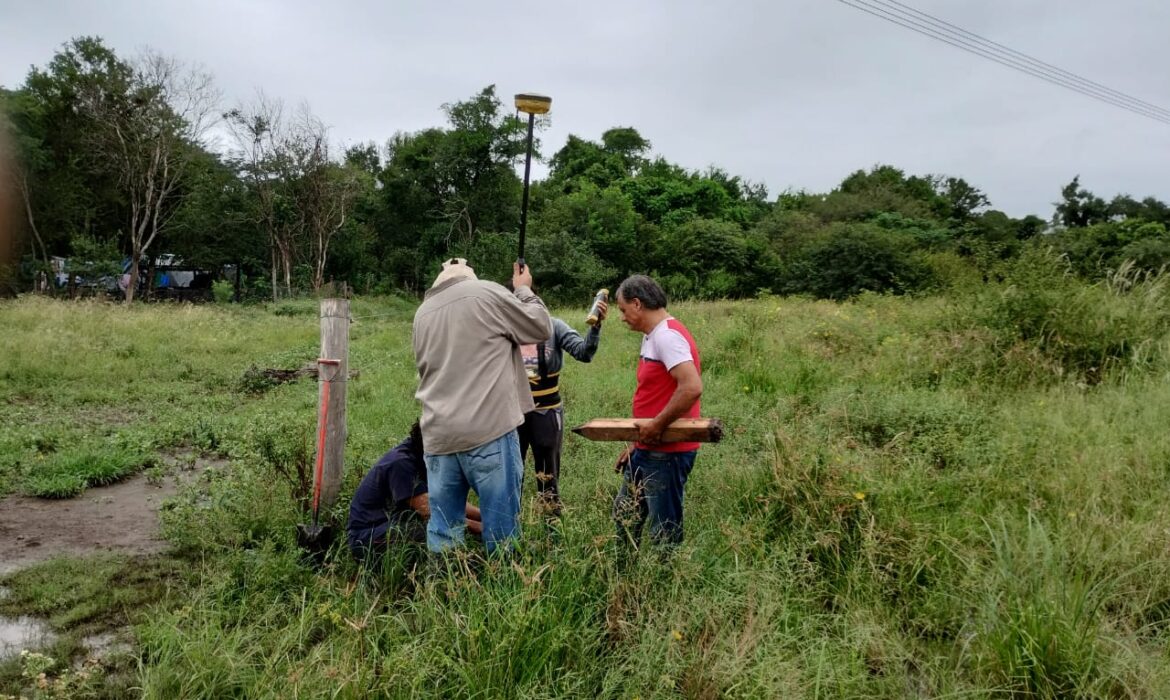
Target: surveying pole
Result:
[531, 105]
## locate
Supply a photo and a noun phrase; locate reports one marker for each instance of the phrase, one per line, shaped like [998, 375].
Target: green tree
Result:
[1150, 209]
[603, 220]
[480, 190]
[854, 258]
[68, 190]
[1079, 207]
[621, 154]
[1029, 227]
[149, 129]
[715, 259]
[27, 161]
[441, 188]
[215, 226]
[626, 144]
[961, 199]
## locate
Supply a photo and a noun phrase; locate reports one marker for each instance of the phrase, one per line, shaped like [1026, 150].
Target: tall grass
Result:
[951, 496]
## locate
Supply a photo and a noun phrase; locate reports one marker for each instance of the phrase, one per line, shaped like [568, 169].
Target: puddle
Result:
[17, 633]
[120, 518]
[100, 647]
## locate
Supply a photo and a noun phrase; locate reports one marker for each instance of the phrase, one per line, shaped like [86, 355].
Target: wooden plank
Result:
[626, 430]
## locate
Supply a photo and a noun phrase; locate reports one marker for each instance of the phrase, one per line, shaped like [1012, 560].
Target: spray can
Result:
[593, 319]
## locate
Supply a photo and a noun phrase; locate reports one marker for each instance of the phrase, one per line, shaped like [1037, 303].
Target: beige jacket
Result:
[472, 384]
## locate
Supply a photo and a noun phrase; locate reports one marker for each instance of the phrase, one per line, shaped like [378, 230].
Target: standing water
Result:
[22, 632]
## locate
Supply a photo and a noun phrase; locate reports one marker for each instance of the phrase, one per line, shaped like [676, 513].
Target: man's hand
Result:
[690, 388]
[649, 431]
[521, 277]
[421, 504]
[623, 460]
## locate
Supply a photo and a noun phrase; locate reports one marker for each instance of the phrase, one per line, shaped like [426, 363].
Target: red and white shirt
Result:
[665, 347]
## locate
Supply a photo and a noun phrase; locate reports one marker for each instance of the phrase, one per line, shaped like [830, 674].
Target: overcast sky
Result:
[792, 93]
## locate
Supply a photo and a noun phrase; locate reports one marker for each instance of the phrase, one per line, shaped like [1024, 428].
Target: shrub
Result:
[854, 259]
[1083, 329]
[222, 291]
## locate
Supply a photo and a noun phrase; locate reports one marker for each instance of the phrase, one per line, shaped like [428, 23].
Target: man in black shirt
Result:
[390, 506]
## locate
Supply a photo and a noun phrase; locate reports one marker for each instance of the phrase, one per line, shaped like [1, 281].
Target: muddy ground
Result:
[121, 518]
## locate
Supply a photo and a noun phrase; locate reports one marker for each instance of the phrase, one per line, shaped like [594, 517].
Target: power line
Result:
[933, 32]
[1006, 60]
[1026, 58]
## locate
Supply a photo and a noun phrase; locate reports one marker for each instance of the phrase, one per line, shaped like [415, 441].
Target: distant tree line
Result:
[119, 165]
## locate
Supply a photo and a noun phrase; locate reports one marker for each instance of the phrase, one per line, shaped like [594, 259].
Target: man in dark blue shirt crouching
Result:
[390, 507]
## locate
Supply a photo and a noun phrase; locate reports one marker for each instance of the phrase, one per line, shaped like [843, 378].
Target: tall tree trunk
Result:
[319, 264]
[39, 243]
[137, 226]
[287, 264]
[132, 285]
[275, 289]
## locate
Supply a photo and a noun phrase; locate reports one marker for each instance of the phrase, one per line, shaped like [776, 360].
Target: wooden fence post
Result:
[334, 346]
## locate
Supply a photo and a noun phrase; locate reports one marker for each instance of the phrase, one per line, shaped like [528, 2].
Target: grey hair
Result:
[643, 289]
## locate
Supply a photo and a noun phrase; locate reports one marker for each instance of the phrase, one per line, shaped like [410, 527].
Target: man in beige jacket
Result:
[474, 393]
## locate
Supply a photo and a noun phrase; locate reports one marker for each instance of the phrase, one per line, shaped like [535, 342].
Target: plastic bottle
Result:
[593, 318]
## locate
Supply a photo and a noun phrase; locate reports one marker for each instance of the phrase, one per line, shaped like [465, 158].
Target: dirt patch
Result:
[121, 518]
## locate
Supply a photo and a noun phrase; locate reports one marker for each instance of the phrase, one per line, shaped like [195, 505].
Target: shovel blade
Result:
[315, 541]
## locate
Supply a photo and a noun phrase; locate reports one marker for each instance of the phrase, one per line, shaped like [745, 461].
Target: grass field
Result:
[915, 498]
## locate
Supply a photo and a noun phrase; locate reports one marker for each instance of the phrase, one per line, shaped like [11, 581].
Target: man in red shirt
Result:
[669, 386]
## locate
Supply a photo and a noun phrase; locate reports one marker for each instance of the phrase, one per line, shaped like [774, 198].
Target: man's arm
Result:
[474, 519]
[521, 315]
[422, 505]
[571, 341]
[688, 391]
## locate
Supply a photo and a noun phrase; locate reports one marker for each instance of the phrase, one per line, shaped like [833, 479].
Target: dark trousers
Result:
[544, 433]
[371, 545]
[652, 491]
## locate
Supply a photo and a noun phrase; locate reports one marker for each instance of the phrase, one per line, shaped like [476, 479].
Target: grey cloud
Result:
[793, 93]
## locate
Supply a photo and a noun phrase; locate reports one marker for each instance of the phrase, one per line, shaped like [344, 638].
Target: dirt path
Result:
[121, 518]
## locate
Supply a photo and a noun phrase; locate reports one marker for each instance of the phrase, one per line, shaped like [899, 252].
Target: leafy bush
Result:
[222, 291]
[94, 258]
[566, 271]
[950, 271]
[854, 259]
[717, 259]
[1083, 329]
[1150, 254]
[1101, 249]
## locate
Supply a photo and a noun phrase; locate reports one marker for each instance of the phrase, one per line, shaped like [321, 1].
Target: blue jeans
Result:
[652, 491]
[495, 471]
